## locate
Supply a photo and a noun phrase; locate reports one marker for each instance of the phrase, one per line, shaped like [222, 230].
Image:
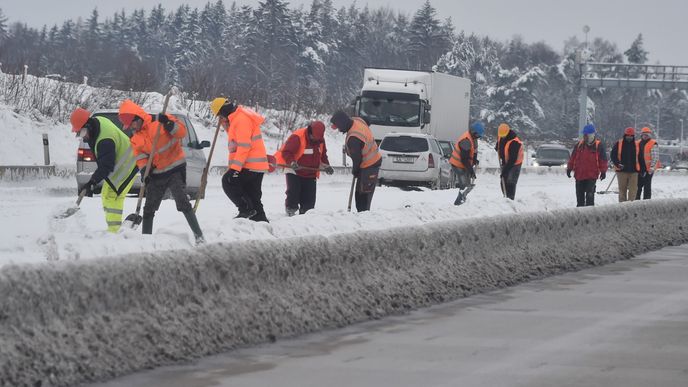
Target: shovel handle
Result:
[81, 196]
[204, 177]
[351, 193]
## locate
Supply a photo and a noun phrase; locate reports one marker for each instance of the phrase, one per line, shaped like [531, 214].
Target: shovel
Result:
[272, 165]
[204, 177]
[607, 191]
[133, 220]
[351, 193]
[73, 210]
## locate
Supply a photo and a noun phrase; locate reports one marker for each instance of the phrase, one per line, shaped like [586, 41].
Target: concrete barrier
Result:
[70, 322]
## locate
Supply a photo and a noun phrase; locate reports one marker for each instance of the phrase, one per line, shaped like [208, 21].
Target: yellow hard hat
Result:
[503, 130]
[216, 104]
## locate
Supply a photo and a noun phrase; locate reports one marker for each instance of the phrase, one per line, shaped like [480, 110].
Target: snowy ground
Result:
[30, 234]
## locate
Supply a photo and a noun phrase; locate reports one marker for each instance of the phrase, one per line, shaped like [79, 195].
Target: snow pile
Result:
[70, 322]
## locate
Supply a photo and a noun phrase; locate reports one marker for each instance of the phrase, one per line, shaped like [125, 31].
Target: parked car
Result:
[550, 155]
[679, 164]
[193, 149]
[666, 161]
[410, 159]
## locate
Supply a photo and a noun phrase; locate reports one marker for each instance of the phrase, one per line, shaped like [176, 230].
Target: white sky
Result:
[662, 22]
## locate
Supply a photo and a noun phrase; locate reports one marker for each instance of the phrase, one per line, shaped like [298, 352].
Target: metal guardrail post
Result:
[46, 149]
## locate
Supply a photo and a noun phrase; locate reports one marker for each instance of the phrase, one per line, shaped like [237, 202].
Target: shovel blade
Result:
[69, 212]
[132, 221]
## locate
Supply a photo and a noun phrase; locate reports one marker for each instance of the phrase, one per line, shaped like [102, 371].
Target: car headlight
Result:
[536, 164]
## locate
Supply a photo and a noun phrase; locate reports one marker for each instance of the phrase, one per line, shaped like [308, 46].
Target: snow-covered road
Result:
[31, 235]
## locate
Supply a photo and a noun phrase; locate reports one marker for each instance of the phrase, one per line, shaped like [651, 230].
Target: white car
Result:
[410, 159]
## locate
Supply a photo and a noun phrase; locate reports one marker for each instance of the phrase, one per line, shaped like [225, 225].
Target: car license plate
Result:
[404, 159]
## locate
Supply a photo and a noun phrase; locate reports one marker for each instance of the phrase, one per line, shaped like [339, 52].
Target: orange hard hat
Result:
[79, 118]
[646, 130]
[629, 132]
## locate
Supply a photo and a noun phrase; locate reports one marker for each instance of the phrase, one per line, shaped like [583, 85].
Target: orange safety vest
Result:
[455, 159]
[302, 134]
[370, 154]
[647, 154]
[169, 153]
[637, 152]
[519, 160]
[245, 141]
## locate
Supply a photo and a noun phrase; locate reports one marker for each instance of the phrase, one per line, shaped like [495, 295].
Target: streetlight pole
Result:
[680, 146]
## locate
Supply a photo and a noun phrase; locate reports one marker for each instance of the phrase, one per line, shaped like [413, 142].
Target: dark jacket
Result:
[105, 154]
[629, 157]
[588, 161]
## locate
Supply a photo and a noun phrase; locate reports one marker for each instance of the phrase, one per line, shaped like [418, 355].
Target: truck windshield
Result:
[391, 109]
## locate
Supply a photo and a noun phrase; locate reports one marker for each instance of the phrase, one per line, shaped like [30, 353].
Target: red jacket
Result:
[312, 157]
[588, 161]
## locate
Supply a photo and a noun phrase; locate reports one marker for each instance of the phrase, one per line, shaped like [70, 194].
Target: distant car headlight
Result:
[536, 164]
[668, 167]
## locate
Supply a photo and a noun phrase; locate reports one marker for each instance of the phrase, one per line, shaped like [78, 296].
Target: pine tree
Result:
[513, 101]
[636, 53]
[4, 33]
[428, 39]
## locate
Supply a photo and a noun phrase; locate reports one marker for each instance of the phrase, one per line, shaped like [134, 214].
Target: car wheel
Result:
[436, 184]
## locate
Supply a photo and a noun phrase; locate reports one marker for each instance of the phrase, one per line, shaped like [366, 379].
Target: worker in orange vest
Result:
[624, 156]
[464, 159]
[169, 163]
[248, 160]
[366, 160]
[306, 153]
[510, 152]
[648, 157]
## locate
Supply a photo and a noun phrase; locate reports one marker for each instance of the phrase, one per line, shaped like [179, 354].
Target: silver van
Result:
[410, 159]
[551, 155]
[193, 149]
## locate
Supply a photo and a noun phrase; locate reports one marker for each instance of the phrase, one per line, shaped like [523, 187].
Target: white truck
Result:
[421, 102]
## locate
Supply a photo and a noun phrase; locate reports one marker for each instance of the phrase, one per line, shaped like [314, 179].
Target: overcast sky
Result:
[662, 22]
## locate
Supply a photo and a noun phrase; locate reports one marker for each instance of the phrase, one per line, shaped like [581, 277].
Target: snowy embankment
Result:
[70, 322]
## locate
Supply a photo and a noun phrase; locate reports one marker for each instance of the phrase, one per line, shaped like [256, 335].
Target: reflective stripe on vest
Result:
[302, 134]
[125, 162]
[455, 158]
[519, 159]
[369, 154]
[637, 152]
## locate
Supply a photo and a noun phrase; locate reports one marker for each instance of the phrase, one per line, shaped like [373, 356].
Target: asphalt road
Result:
[624, 324]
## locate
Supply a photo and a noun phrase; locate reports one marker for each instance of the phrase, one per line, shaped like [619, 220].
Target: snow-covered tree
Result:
[428, 38]
[513, 101]
[636, 53]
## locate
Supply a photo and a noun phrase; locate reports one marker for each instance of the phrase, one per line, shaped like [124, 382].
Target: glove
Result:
[90, 188]
[644, 175]
[294, 165]
[620, 166]
[603, 176]
[568, 173]
[167, 124]
[234, 174]
[329, 170]
[144, 179]
[476, 162]
[473, 176]
[355, 171]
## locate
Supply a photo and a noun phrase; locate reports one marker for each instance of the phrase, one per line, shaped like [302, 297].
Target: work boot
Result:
[147, 224]
[291, 211]
[195, 227]
[259, 217]
[459, 199]
[246, 214]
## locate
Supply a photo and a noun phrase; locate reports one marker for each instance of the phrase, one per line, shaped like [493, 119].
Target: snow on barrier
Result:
[72, 322]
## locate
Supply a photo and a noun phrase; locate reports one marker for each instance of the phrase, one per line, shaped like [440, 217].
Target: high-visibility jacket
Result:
[305, 147]
[169, 153]
[588, 161]
[246, 146]
[455, 158]
[619, 147]
[125, 162]
[505, 160]
[646, 153]
[370, 153]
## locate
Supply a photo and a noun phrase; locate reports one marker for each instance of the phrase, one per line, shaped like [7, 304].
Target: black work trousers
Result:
[585, 192]
[175, 181]
[644, 185]
[300, 193]
[510, 181]
[365, 188]
[245, 191]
